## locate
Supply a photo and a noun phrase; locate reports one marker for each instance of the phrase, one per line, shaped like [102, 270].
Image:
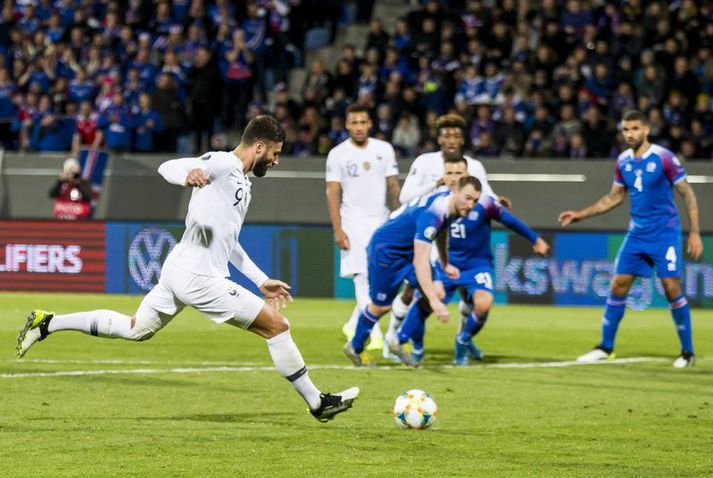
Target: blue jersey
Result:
[469, 237]
[419, 220]
[650, 180]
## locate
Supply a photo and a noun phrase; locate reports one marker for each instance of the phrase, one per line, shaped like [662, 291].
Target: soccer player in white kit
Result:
[361, 173]
[196, 270]
[426, 175]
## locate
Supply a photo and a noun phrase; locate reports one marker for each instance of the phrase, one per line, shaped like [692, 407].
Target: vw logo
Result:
[147, 251]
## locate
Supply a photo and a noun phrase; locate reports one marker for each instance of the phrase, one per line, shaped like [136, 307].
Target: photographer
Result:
[71, 193]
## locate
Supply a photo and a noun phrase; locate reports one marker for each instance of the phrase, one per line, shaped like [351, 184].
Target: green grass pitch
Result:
[202, 400]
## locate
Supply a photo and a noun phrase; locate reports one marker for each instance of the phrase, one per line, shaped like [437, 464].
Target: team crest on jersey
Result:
[430, 232]
[206, 157]
[627, 168]
[650, 167]
[378, 158]
[473, 215]
[367, 165]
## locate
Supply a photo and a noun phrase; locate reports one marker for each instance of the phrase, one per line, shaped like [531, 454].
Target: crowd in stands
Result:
[533, 79]
[139, 75]
[545, 78]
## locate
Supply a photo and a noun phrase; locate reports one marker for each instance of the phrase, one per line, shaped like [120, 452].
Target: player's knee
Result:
[620, 285]
[483, 308]
[277, 323]
[671, 287]
[141, 328]
[407, 295]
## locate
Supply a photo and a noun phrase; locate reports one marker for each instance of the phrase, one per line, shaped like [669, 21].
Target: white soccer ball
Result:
[415, 409]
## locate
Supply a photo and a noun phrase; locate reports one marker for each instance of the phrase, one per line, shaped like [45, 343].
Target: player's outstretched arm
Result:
[539, 245]
[197, 172]
[606, 203]
[695, 244]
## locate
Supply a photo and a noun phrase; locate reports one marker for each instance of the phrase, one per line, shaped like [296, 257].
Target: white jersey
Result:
[215, 216]
[428, 168]
[362, 174]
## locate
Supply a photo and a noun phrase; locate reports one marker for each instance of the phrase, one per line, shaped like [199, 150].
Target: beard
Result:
[262, 164]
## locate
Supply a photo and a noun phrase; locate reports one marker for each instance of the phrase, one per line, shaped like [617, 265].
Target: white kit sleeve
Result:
[333, 173]
[240, 259]
[213, 165]
[415, 184]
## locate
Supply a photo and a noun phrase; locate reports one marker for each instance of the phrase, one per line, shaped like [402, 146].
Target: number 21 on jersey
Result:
[458, 230]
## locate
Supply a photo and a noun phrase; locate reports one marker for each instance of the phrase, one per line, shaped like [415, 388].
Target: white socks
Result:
[289, 363]
[100, 323]
[398, 314]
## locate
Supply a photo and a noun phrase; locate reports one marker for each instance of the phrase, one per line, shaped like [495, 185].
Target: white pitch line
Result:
[156, 371]
[135, 362]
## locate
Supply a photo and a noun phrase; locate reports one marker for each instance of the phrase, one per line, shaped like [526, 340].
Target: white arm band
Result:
[240, 259]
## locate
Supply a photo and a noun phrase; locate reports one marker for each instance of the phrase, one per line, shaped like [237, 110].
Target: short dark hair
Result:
[635, 115]
[263, 128]
[357, 108]
[457, 160]
[450, 121]
[473, 181]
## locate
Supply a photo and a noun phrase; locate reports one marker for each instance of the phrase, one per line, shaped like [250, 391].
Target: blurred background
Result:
[95, 94]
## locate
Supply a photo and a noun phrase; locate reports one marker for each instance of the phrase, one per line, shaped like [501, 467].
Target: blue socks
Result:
[363, 330]
[471, 327]
[681, 314]
[613, 313]
[414, 324]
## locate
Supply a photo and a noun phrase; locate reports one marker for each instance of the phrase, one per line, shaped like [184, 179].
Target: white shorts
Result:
[359, 232]
[218, 298]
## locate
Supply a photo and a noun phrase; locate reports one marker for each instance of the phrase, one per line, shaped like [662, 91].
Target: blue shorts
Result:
[637, 256]
[386, 277]
[476, 278]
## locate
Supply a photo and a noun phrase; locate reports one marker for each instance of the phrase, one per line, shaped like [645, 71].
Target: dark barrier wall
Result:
[294, 192]
[124, 257]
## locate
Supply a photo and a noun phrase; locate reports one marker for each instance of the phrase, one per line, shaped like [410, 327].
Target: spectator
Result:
[577, 147]
[71, 193]
[237, 73]
[117, 124]
[147, 124]
[167, 103]
[51, 132]
[596, 134]
[87, 133]
[205, 96]
[406, 135]
[510, 135]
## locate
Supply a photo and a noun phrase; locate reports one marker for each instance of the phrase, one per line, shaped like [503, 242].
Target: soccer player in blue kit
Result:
[400, 249]
[469, 251]
[649, 173]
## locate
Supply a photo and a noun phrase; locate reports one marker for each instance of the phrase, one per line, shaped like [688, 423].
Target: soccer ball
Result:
[415, 409]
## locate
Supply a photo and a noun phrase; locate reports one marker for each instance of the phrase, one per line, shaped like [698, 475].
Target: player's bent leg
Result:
[613, 314]
[399, 309]
[413, 327]
[681, 315]
[361, 292]
[271, 325]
